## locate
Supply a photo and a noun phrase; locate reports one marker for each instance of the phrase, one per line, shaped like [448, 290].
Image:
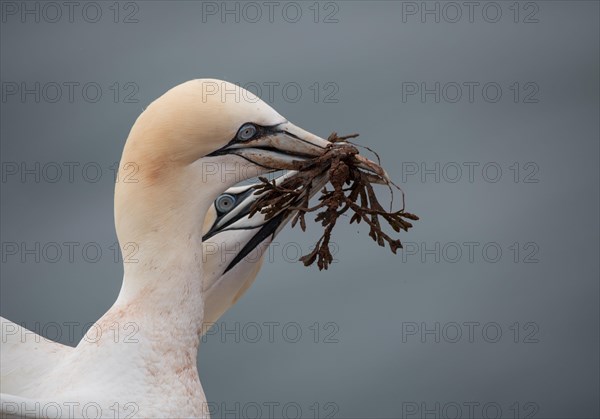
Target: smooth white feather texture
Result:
[161, 213]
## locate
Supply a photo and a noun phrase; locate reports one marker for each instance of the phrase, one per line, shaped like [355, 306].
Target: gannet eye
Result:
[225, 203]
[246, 132]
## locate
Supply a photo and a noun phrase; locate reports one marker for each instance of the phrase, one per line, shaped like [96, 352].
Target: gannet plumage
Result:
[235, 245]
[189, 146]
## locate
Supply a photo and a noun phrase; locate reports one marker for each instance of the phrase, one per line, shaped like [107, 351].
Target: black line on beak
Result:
[290, 134]
[263, 130]
[265, 231]
[245, 211]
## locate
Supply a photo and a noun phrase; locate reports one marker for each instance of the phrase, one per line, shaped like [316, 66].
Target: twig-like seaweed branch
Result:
[352, 190]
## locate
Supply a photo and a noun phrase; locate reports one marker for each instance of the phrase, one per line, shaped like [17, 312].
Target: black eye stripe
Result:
[239, 197]
[261, 131]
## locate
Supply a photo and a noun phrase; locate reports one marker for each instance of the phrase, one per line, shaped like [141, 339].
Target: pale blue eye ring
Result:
[246, 132]
[225, 203]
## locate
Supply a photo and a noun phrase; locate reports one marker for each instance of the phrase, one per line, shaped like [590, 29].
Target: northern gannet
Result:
[233, 252]
[189, 146]
[235, 245]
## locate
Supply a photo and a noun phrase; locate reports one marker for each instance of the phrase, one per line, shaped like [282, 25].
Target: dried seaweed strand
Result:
[352, 190]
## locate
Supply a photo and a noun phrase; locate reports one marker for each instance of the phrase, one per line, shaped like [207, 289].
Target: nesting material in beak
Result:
[351, 177]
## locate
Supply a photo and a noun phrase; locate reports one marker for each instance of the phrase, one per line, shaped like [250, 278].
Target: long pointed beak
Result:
[252, 231]
[281, 147]
[237, 217]
[241, 209]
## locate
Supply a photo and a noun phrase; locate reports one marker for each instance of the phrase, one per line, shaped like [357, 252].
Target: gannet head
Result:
[235, 244]
[186, 148]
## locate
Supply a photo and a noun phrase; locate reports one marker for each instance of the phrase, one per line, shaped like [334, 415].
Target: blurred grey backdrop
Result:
[486, 113]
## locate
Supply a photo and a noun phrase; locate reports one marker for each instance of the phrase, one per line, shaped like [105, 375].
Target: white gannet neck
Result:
[162, 195]
[185, 149]
[150, 336]
[165, 186]
[159, 227]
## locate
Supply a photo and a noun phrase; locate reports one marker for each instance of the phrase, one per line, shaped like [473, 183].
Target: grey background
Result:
[370, 295]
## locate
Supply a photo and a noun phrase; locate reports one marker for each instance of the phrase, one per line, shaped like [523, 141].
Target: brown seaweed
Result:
[352, 190]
